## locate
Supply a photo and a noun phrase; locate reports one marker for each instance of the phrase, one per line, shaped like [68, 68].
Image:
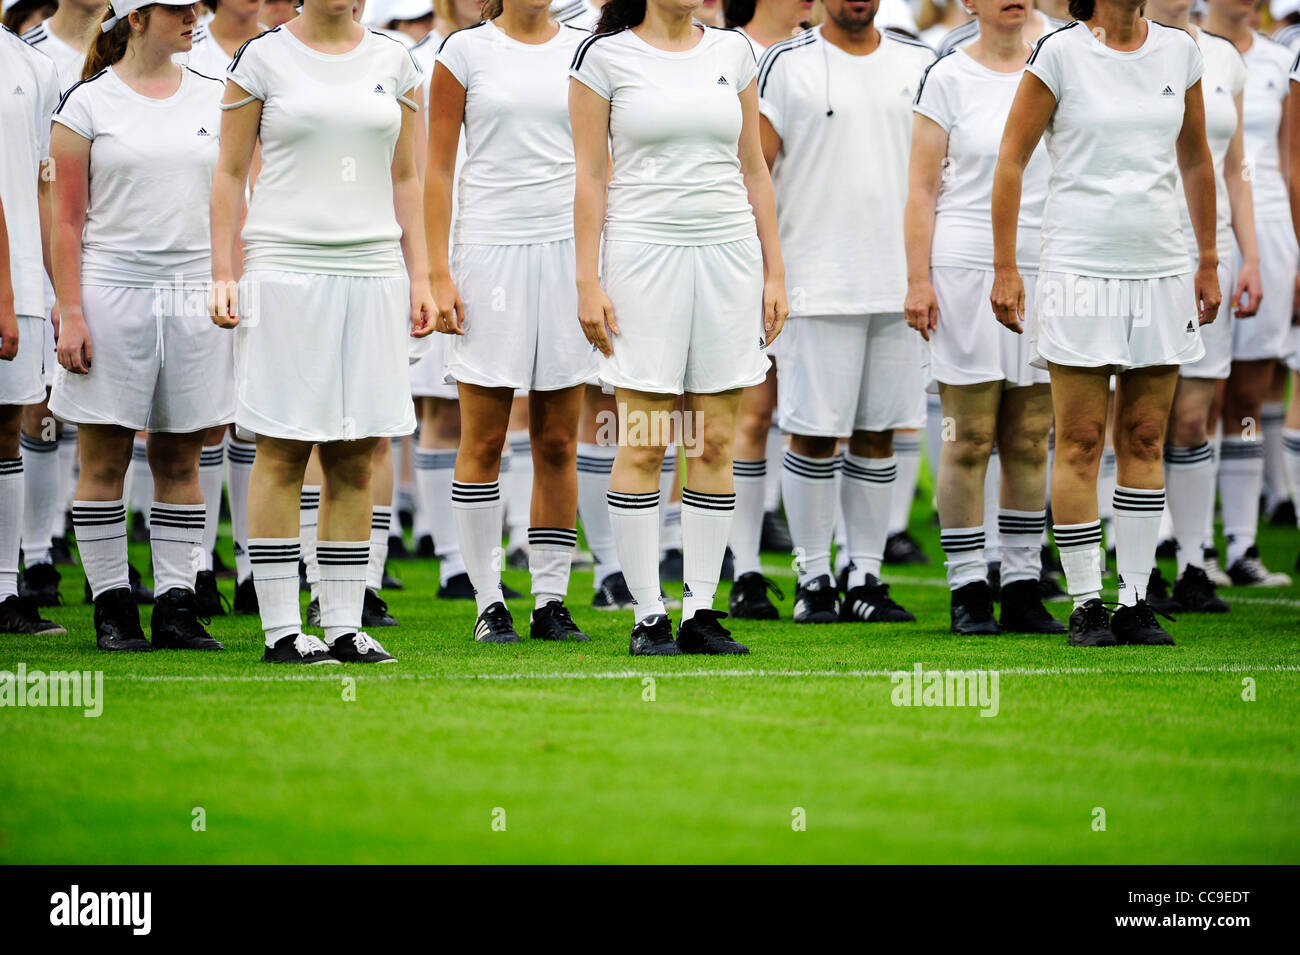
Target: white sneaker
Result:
[1249, 571]
[1210, 562]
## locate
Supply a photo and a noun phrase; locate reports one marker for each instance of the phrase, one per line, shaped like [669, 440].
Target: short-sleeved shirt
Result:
[674, 130]
[970, 102]
[1267, 66]
[69, 61]
[329, 128]
[1114, 201]
[151, 166]
[1223, 82]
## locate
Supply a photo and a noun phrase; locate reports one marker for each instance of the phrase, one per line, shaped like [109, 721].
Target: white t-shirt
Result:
[151, 165]
[206, 55]
[754, 45]
[576, 13]
[517, 184]
[1224, 80]
[324, 196]
[68, 59]
[29, 92]
[1289, 37]
[1114, 199]
[841, 180]
[969, 32]
[1267, 66]
[674, 129]
[971, 103]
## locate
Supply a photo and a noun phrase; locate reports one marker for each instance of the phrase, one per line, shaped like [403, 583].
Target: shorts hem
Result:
[264, 427]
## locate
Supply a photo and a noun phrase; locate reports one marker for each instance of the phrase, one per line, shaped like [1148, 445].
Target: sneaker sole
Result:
[303, 663]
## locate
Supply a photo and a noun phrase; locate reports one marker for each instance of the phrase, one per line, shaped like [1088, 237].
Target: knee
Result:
[1079, 447]
[1142, 441]
[1024, 446]
[645, 460]
[970, 449]
[810, 446]
[555, 448]
[173, 465]
[1189, 426]
[349, 472]
[482, 447]
[872, 444]
[754, 421]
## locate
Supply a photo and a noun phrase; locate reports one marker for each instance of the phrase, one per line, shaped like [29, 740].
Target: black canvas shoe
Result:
[612, 594]
[19, 615]
[117, 623]
[495, 625]
[301, 649]
[1195, 593]
[424, 548]
[176, 624]
[397, 547]
[817, 601]
[1249, 571]
[1023, 610]
[870, 602]
[1051, 563]
[653, 637]
[703, 633]
[776, 533]
[374, 611]
[554, 622]
[971, 610]
[220, 568]
[1167, 549]
[1283, 515]
[1158, 593]
[303, 586]
[40, 582]
[141, 593]
[1090, 626]
[313, 612]
[212, 602]
[246, 597]
[670, 565]
[1138, 625]
[902, 548]
[389, 582]
[360, 648]
[993, 574]
[139, 533]
[508, 592]
[1210, 561]
[749, 600]
[457, 587]
[61, 551]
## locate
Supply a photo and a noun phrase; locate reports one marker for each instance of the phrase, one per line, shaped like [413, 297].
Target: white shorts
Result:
[521, 318]
[429, 368]
[969, 346]
[323, 357]
[690, 317]
[51, 350]
[22, 381]
[1089, 322]
[1293, 356]
[1217, 336]
[1266, 334]
[846, 373]
[156, 364]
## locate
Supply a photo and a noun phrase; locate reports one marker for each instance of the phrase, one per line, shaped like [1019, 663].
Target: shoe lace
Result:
[711, 626]
[880, 595]
[376, 602]
[365, 643]
[564, 618]
[770, 584]
[306, 645]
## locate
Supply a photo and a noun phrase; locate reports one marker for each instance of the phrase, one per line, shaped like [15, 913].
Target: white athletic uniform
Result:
[206, 55]
[321, 350]
[1114, 286]
[849, 362]
[576, 13]
[682, 263]
[1293, 340]
[1224, 80]
[159, 363]
[29, 91]
[1266, 334]
[970, 102]
[969, 31]
[514, 258]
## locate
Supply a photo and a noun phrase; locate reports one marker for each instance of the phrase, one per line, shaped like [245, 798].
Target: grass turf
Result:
[559, 743]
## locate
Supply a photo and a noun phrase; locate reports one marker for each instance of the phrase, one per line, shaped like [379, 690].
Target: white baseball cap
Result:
[121, 9]
[409, 9]
[1280, 9]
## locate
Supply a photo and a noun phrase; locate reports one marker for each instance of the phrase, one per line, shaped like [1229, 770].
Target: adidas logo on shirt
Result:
[1219, 89]
[202, 132]
[18, 91]
[905, 92]
[1167, 91]
[378, 88]
[1190, 327]
[722, 81]
[762, 343]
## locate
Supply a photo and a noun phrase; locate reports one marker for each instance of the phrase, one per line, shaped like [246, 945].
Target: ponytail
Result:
[618, 15]
[492, 9]
[110, 47]
[737, 13]
[1082, 9]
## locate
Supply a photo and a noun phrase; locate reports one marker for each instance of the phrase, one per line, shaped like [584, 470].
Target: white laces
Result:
[306, 645]
[365, 643]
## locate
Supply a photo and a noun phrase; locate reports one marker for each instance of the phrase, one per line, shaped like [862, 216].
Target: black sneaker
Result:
[902, 548]
[139, 533]
[1167, 549]
[1283, 515]
[313, 612]
[1138, 625]
[374, 611]
[817, 601]
[495, 625]
[40, 582]
[1210, 561]
[517, 558]
[246, 597]
[870, 602]
[175, 623]
[389, 582]
[61, 550]
[212, 602]
[360, 648]
[1090, 626]
[219, 567]
[141, 593]
[612, 594]
[1049, 588]
[749, 600]
[299, 648]
[19, 615]
[457, 587]
[397, 549]
[776, 533]
[1023, 610]
[703, 633]
[653, 637]
[1249, 571]
[1051, 563]
[303, 586]
[424, 548]
[554, 622]
[117, 623]
[508, 592]
[993, 574]
[1195, 593]
[1158, 593]
[670, 565]
[971, 610]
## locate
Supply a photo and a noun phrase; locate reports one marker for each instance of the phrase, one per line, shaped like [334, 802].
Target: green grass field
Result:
[559, 744]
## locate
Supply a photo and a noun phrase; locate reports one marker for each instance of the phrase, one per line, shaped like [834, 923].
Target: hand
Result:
[223, 302]
[1008, 298]
[596, 314]
[775, 307]
[1208, 294]
[448, 309]
[8, 332]
[1246, 296]
[55, 319]
[74, 349]
[921, 308]
[423, 311]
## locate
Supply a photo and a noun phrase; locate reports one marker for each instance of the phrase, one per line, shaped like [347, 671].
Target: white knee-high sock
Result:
[992, 499]
[518, 487]
[1216, 445]
[433, 476]
[1107, 477]
[1137, 529]
[342, 586]
[1189, 485]
[68, 470]
[1291, 458]
[595, 461]
[41, 504]
[275, 577]
[550, 557]
[1241, 474]
[808, 488]
[907, 452]
[477, 508]
[670, 511]
[12, 492]
[867, 492]
[706, 523]
[1020, 534]
[176, 541]
[101, 543]
[1272, 419]
[840, 538]
[963, 551]
[239, 460]
[1080, 547]
[634, 519]
[308, 518]
[139, 478]
[934, 437]
[775, 451]
[381, 525]
[750, 479]
[212, 468]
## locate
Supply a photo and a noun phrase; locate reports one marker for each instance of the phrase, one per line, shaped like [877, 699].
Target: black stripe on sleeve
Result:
[1047, 36]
